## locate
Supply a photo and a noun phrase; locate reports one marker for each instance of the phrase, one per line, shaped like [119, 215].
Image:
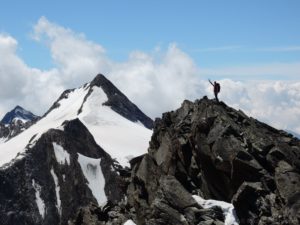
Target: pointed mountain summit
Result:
[15, 122]
[117, 124]
[120, 103]
[18, 113]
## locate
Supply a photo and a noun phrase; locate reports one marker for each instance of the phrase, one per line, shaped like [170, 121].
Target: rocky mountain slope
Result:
[63, 170]
[206, 164]
[210, 150]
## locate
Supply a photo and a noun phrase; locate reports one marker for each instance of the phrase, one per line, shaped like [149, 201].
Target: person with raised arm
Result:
[217, 88]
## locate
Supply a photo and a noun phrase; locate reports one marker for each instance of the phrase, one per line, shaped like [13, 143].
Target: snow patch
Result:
[39, 201]
[183, 219]
[112, 168]
[220, 158]
[140, 123]
[16, 119]
[92, 171]
[129, 222]
[227, 208]
[61, 155]
[57, 190]
[12, 132]
[62, 128]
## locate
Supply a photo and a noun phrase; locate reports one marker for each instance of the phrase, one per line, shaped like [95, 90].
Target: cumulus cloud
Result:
[274, 102]
[158, 84]
[21, 84]
[76, 57]
[158, 81]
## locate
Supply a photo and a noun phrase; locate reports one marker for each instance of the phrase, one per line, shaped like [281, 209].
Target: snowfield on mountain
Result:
[121, 138]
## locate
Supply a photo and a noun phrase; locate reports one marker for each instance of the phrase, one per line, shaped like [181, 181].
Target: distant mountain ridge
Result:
[18, 113]
[15, 122]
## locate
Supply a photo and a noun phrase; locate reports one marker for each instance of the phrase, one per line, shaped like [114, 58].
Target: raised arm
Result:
[210, 82]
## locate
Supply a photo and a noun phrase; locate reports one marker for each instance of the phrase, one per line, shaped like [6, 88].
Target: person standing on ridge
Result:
[217, 88]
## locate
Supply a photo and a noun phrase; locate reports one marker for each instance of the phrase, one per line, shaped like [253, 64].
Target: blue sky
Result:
[214, 33]
[157, 52]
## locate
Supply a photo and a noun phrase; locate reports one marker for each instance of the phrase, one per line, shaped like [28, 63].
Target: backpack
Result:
[218, 87]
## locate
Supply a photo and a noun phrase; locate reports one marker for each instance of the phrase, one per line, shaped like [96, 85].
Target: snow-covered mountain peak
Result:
[117, 125]
[119, 102]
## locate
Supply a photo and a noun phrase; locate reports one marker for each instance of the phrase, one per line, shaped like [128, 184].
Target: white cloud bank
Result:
[156, 82]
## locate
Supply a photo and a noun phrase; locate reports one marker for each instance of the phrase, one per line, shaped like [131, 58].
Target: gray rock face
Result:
[32, 179]
[209, 149]
[8, 131]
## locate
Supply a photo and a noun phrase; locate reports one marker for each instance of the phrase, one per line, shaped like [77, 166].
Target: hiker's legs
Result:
[216, 96]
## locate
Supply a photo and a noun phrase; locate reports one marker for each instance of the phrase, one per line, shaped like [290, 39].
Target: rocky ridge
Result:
[213, 151]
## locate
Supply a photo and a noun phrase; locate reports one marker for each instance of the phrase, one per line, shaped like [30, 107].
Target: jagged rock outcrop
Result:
[211, 150]
[8, 131]
[50, 183]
